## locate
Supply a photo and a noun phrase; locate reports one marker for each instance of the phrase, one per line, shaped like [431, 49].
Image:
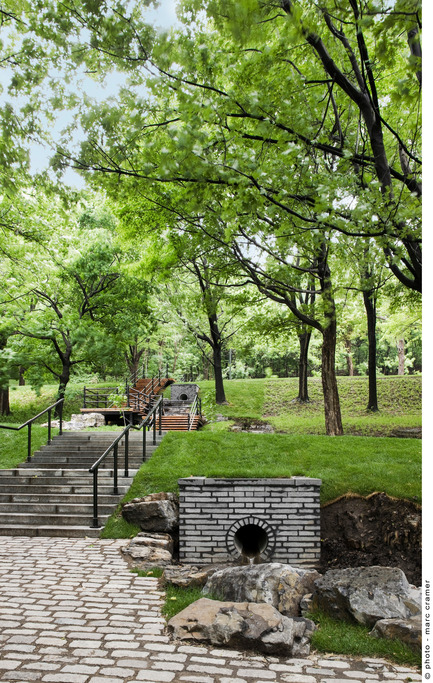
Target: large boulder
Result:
[156, 512]
[147, 549]
[279, 585]
[367, 594]
[407, 630]
[244, 625]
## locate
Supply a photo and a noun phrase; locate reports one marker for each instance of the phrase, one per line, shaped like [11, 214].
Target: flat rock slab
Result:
[147, 549]
[187, 575]
[243, 625]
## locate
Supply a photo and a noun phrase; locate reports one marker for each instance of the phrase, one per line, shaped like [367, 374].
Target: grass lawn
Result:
[13, 445]
[272, 400]
[345, 464]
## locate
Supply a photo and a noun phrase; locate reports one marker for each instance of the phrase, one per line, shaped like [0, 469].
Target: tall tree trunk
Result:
[304, 342]
[401, 357]
[370, 309]
[220, 396]
[133, 359]
[63, 381]
[5, 408]
[333, 422]
[21, 380]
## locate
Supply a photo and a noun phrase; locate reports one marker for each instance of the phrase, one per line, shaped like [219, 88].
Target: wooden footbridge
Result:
[138, 398]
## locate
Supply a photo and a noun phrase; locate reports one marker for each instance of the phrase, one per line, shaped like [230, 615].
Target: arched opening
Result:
[183, 397]
[251, 540]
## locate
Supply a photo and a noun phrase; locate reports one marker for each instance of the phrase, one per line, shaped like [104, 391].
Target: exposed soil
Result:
[376, 530]
[247, 424]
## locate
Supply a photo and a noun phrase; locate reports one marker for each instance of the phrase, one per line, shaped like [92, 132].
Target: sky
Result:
[164, 17]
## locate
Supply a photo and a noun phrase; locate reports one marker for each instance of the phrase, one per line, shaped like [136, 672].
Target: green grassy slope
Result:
[272, 400]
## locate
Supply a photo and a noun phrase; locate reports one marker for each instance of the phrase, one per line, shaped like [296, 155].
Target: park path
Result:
[72, 612]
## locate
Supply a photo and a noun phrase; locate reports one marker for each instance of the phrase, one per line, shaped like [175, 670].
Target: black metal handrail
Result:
[147, 423]
[29, 423]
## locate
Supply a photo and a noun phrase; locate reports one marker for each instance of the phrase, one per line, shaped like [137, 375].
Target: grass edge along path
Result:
[347, 464]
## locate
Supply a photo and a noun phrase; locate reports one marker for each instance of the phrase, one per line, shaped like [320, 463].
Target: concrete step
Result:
[55, 498]
[57, 508]
[83, 465]
[30, 474]
[53, 494]
[83, 531]
[81, 489]
[49, 520]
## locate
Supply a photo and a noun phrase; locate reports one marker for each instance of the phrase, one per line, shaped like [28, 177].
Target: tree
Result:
[202, 295]
[76, 301]
[276, 121]
[251, 106]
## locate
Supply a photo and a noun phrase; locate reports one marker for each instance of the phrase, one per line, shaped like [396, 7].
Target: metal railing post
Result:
[115, 487]
[95, 522]
[160, 416]
[126, 454]
[29, 442]
[144, 443]
[84, 397]
[49, 427]
[127, 395]
[61, 419]
[154, 428]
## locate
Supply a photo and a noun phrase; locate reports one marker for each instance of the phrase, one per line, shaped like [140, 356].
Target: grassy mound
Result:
[274, 401]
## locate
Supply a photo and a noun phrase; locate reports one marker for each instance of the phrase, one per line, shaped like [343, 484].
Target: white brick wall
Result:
[212, 510]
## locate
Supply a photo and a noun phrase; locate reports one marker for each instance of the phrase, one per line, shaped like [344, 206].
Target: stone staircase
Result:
[53, 494]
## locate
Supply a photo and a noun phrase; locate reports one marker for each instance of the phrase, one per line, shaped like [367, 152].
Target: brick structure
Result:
[184, 392]
[250, 520]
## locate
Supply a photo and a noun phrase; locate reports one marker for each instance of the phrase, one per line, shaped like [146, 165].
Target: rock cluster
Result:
[81, 421]
[246, 625]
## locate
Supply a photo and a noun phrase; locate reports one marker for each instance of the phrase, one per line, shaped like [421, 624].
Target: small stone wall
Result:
[184, 392]
[250, 521]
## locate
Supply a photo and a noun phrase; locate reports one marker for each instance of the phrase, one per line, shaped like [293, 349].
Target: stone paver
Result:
[72, 612]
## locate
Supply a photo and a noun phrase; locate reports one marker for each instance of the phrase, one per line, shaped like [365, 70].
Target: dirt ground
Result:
[376, 530]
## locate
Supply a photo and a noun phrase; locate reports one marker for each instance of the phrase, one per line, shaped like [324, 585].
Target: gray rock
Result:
[367, 594]
[279, 585]
[407, 630]
[80, 421]
[244, 625]
[306, 605]
[186, 575]
[156, 512]
[148, 549]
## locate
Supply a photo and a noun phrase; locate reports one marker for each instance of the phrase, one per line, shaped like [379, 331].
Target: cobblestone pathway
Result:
[72, 612]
